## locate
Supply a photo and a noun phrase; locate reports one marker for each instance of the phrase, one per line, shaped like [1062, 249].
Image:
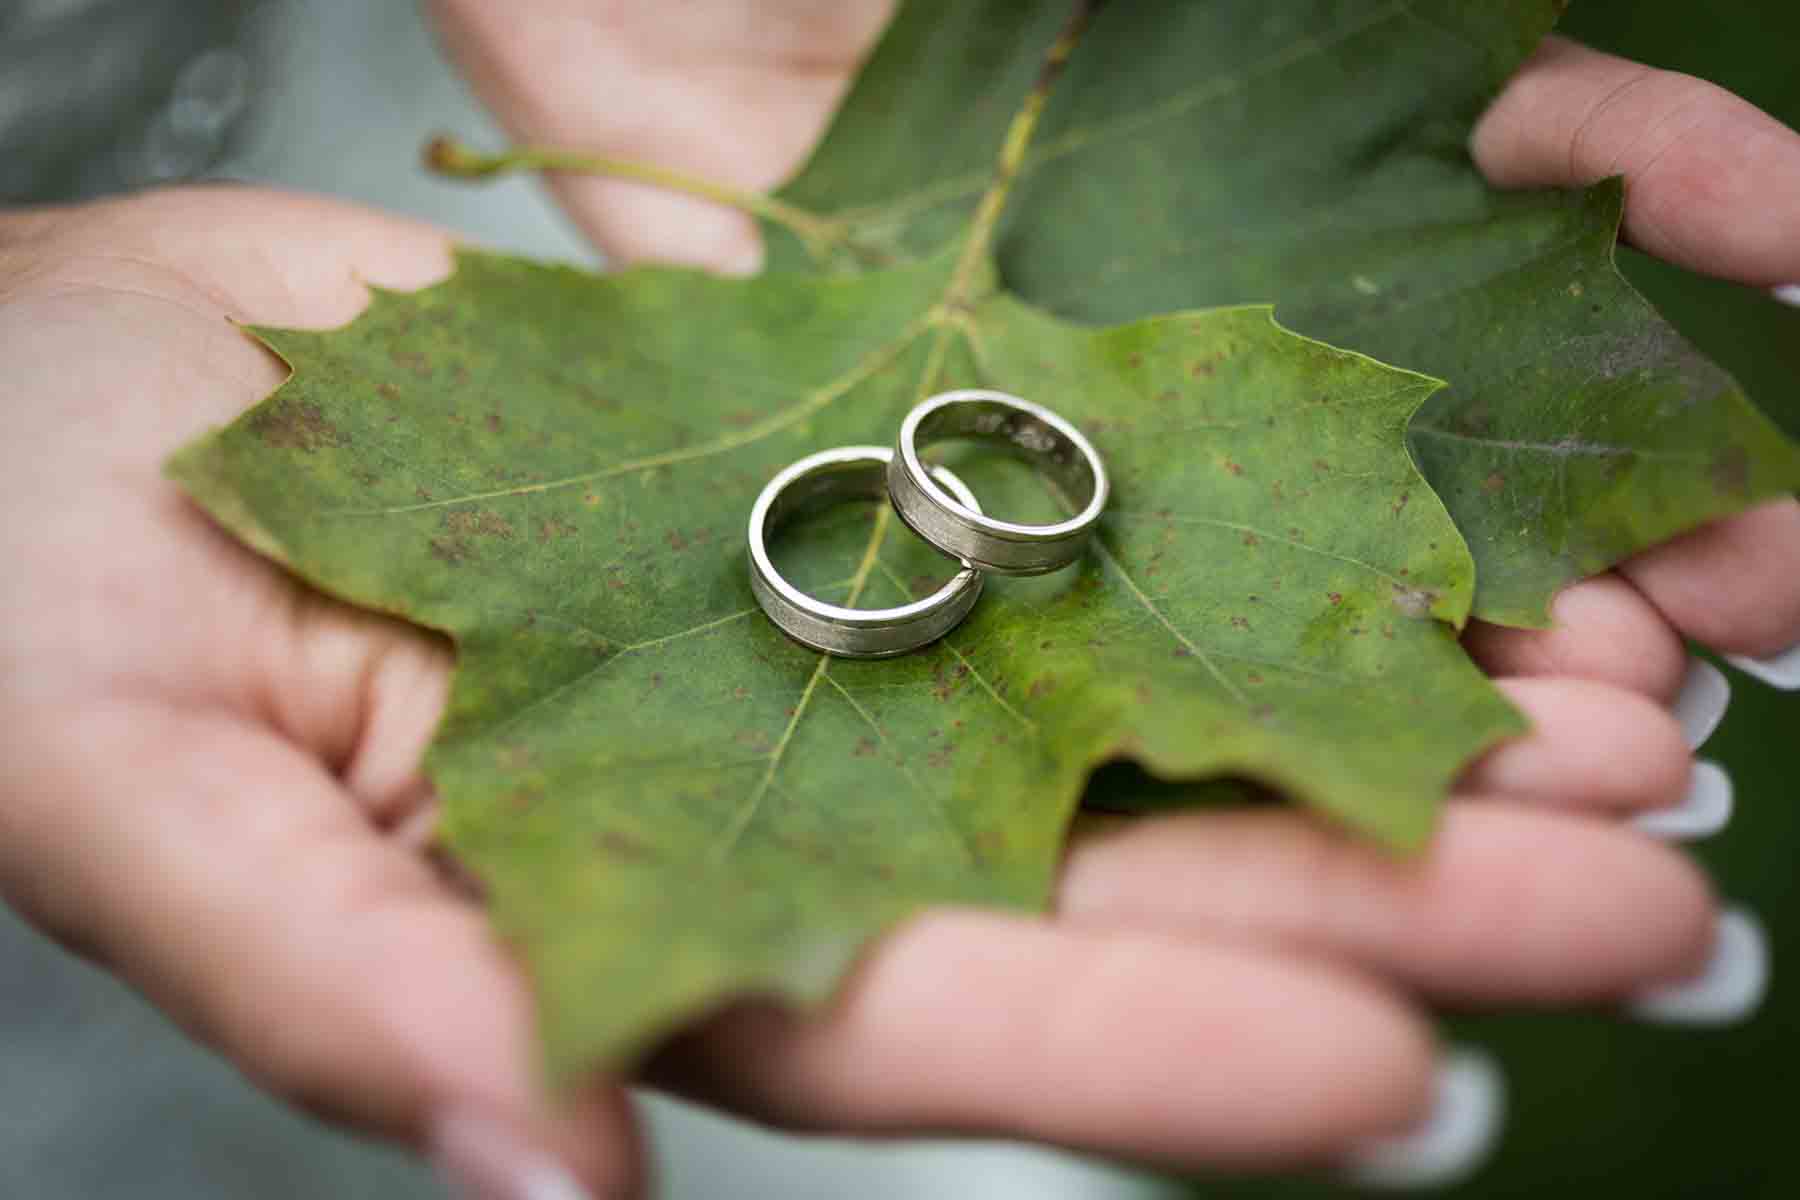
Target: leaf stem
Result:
[973, 272]
[448, 156]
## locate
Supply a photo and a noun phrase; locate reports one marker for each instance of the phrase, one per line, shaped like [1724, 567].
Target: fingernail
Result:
[1727, 990]
[1778, 670]
[1467, 1112]
[1703, 812]
[480, 1159]
[1700, 705]
[1787, 293]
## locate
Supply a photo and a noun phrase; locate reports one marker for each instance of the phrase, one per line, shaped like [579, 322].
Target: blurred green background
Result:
[100, 1098]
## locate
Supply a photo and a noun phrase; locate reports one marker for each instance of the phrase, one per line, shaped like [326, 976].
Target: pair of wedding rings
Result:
[937, 506]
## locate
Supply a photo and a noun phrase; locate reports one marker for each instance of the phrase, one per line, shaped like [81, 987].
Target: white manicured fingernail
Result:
[1730, 987]
[480, 1159]
[1700, 706]
[1703, 812]
[1787, 293]
[1456, 1138]
[1778, 670]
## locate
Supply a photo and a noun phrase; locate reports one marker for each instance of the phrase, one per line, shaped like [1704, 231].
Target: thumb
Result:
[1713, 183]
[736, 93]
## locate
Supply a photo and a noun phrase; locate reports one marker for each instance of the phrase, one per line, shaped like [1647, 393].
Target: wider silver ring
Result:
[850, 472]
[960, 528]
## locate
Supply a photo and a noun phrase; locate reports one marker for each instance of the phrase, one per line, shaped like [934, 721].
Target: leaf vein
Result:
[1265, 535]
[937, 807]
[1107, 557]
[817, 401]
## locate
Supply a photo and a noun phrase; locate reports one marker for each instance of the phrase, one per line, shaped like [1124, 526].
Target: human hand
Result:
[210, 783]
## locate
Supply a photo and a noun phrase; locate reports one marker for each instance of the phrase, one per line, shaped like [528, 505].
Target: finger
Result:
[253, 255]
[226, 875]
[1591, 746]
[1601, 629]
[1733, 584]
[1508, 905]
[1132, 1044]
[734, 93]
[1713, 183]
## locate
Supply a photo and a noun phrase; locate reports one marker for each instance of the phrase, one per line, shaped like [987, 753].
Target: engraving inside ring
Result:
[1021, 434]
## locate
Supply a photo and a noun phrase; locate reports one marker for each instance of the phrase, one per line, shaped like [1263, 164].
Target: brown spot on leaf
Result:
[624, 847]
[387, 391]
[865, 746]
[1400, 504]
[412, 360]
[1336, 598]
[493, 423]
[1233, 467]
[1494, 483]
[1730, 471]
[1414, 602]
[449, 550]
[295, 425]
[478, 522]
[676, 541]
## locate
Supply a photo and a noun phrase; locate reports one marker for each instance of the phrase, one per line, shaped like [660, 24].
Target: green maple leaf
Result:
[668, 802]
[1311, 153]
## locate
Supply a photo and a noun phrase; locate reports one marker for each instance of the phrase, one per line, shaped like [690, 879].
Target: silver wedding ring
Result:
[959, 528]
[937, 506]
[850, 472]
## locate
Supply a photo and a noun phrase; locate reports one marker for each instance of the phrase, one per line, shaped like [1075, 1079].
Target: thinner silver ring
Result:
[849, 472]
[958, 528]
